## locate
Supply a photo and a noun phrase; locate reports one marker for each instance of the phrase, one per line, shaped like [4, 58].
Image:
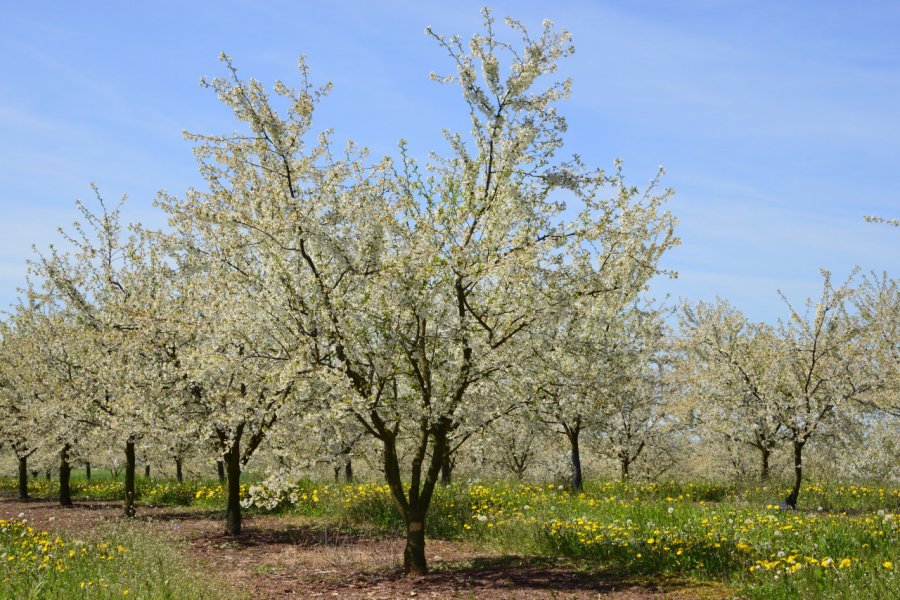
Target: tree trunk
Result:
[791, 500]
[220, 468]
[23, 478]
[233, 471]
[87, 470]
[577, 479]
[446, 471]
[179, 476]
[47, 473]
[146, 471]
[765, 453]
[413, 506]
[348, 471]
[65, 472]
[129, 478]
[337, 475]
[519, 470]
[519, 463]
[414, 562]
[625, 462]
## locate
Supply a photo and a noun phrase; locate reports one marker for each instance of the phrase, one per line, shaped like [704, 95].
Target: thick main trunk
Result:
[519, 470]
[23, 478]
[220, 469]
[414, 505]
[179, 476]
[414, 562]
[65, 472]
[348, 471]
[87, 470]
[791, 500]
[765, 453]
[129, 478]
[233, 477]
[446, 471]
[146, 471]
[625, 462]
[577, 479]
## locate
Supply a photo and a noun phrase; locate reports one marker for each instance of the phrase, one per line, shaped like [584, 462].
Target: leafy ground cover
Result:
[842, 544]
[35, 563]
[152, 492]
[703, 531]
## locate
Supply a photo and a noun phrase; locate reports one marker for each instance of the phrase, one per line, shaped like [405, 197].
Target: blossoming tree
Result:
[408, 286]
[729, 371]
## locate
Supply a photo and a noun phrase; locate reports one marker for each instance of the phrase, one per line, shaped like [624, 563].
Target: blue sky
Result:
[778, 122]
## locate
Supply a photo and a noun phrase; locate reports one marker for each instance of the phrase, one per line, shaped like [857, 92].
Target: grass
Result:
[841, 544]
[154, 492]
[701, 531]
[120, 563]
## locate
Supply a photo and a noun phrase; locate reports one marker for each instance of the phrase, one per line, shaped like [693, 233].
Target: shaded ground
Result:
[291, 557]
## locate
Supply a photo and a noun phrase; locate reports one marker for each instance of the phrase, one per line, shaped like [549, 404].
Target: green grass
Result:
[841, 544]
[155, 492]
[701, 531]
[119, 563]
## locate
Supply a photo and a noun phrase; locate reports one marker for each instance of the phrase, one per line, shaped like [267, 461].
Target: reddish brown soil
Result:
[289, 557]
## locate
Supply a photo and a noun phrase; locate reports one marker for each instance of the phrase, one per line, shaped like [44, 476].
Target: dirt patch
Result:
[281, 557]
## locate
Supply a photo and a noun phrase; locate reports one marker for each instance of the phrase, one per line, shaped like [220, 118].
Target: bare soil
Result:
[292, 557]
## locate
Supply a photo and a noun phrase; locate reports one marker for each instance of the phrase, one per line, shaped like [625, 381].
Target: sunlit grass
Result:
[121, 563]
[843, 543]
[154, 492]
[702, 531]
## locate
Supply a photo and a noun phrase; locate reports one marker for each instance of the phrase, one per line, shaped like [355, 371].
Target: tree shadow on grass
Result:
[534, 574]
[185, 514]
[44, 502]
[116, 506]
[302, 536]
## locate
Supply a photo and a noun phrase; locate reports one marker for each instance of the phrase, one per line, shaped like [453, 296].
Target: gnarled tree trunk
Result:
[413, 506]
[414, 562]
